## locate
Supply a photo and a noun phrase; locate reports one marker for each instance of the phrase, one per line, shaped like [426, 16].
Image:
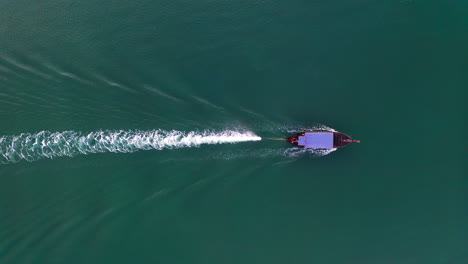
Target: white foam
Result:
[46, 144]
[26, 68]
[161, 93]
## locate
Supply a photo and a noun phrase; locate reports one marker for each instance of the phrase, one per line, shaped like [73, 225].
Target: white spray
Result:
[46, 144]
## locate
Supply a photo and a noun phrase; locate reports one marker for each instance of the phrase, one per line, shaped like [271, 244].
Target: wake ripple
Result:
[45, 144]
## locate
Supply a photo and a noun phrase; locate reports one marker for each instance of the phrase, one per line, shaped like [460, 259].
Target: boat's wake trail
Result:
[46, 144]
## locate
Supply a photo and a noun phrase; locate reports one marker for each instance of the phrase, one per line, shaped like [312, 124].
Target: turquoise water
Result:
[141, 132]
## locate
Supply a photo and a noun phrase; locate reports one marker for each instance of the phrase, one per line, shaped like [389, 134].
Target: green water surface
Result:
[390, 73]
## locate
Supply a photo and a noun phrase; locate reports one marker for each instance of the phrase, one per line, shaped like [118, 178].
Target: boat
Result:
[320, 139]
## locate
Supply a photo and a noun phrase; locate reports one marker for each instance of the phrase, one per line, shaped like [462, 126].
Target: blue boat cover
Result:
[301, 141]
[318, 140]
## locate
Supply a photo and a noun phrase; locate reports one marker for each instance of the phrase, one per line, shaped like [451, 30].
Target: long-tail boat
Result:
[320, 139]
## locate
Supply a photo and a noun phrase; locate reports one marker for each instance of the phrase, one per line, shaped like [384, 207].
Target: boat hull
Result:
[339, 139]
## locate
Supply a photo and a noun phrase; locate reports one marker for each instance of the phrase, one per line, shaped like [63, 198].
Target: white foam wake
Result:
[46, 144]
